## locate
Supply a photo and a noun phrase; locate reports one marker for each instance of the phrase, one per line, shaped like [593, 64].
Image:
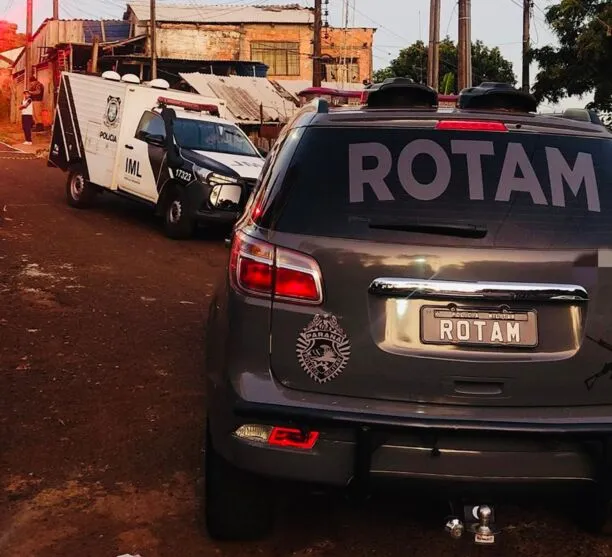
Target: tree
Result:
[487, 64]
[582, 62]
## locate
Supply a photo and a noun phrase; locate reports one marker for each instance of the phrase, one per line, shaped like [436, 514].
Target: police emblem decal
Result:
[111, 116]
[323, 349]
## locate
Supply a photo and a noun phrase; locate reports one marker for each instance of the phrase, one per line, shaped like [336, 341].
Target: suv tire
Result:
[238, 506]
[79, 192]
[179, 215]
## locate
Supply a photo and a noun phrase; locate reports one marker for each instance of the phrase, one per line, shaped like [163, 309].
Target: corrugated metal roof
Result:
[192, 13]
[12, 54]
[243, 96]
[113, 30]
[294, 86]
[78, 31]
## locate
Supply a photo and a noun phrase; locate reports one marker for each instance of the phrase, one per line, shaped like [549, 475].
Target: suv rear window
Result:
[524, 189]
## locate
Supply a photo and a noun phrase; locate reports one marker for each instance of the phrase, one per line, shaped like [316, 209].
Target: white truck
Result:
[174, 150]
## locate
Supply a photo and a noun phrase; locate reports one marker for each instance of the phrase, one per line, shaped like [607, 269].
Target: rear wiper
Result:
[456, 230]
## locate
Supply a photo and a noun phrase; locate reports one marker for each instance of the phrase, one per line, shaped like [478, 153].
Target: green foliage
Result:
[583, 62]
[448, 84]
[487, 65]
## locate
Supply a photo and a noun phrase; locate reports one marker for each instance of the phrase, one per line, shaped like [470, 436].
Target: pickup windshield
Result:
[212, 136]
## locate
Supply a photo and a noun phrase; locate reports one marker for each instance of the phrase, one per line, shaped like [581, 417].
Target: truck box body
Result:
[96, 117]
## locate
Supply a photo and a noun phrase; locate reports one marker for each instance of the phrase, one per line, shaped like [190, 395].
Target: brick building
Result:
[278, 36]
[9, 38]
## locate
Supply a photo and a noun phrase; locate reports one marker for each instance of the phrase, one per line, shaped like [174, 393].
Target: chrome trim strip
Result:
[455, 290]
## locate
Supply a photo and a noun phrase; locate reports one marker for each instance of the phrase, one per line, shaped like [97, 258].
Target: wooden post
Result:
[94, 55]
[316, 50]
[28, 52]
[153, 40]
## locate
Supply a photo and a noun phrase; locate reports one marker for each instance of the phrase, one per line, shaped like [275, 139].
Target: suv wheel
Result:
[179, 215]
[79, 192]
[238, 506]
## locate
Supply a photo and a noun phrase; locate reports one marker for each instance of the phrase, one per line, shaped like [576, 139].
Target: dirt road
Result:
[101, 335]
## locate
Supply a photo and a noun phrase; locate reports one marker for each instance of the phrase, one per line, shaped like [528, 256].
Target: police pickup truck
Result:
[173, 150]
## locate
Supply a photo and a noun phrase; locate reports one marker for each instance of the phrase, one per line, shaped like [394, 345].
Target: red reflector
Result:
[469, 125]
[294, 438]
[295, 284]
[255, 276]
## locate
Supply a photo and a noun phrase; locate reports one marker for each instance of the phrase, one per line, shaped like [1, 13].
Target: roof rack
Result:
[580, 115]
[212, 109]
[491, 95]
[399, 92]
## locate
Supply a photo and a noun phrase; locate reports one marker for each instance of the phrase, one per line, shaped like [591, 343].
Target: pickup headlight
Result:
[212, 178]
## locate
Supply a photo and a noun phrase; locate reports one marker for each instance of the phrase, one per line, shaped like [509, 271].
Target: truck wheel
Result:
[238, 506]
[79, 192]
[179, 215]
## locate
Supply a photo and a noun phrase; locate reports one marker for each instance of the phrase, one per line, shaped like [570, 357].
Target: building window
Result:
[281, 58]
[344, 70]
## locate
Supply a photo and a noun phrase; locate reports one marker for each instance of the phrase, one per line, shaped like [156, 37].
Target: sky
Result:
[398, 22]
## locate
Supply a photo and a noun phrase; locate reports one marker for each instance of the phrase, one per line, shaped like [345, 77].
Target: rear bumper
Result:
[350, 450]
[357, 447]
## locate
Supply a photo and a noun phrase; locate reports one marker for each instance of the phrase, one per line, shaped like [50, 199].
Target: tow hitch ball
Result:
[484, 533]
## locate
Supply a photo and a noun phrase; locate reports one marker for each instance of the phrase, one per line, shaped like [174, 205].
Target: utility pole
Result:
[461, 47]
[433, 59]
[464, 47]
[153, 40]
[55, 9]
[28, 52]
[527, 7]
[468, 44]
[316, 44]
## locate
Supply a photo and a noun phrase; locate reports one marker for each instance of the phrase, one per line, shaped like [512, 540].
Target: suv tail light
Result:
[471, 125]
[260, 269]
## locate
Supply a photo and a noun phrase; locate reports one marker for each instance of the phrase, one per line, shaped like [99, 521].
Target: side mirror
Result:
[226, 197]
[157, 140]
[263, 152]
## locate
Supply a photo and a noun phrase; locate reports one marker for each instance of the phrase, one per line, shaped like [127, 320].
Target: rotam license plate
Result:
[487, 328]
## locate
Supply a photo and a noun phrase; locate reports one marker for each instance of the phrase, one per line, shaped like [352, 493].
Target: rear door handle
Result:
[129, 147]
[455, 290]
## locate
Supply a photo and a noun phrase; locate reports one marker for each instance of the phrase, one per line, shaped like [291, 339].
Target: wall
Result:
[197, 42]
[354, 43]
[5, 93]
[45, 76]
[187, 41]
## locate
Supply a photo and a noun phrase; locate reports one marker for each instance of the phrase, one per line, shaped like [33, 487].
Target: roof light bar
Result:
[195, 107]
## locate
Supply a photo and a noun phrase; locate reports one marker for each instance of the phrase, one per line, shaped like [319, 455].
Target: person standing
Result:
[27, 118]
[37, 92]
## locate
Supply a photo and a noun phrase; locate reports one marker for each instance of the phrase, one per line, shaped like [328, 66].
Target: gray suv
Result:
[415, 293]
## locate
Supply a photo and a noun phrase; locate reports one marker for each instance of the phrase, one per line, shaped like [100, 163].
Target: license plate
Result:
[486, 328]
